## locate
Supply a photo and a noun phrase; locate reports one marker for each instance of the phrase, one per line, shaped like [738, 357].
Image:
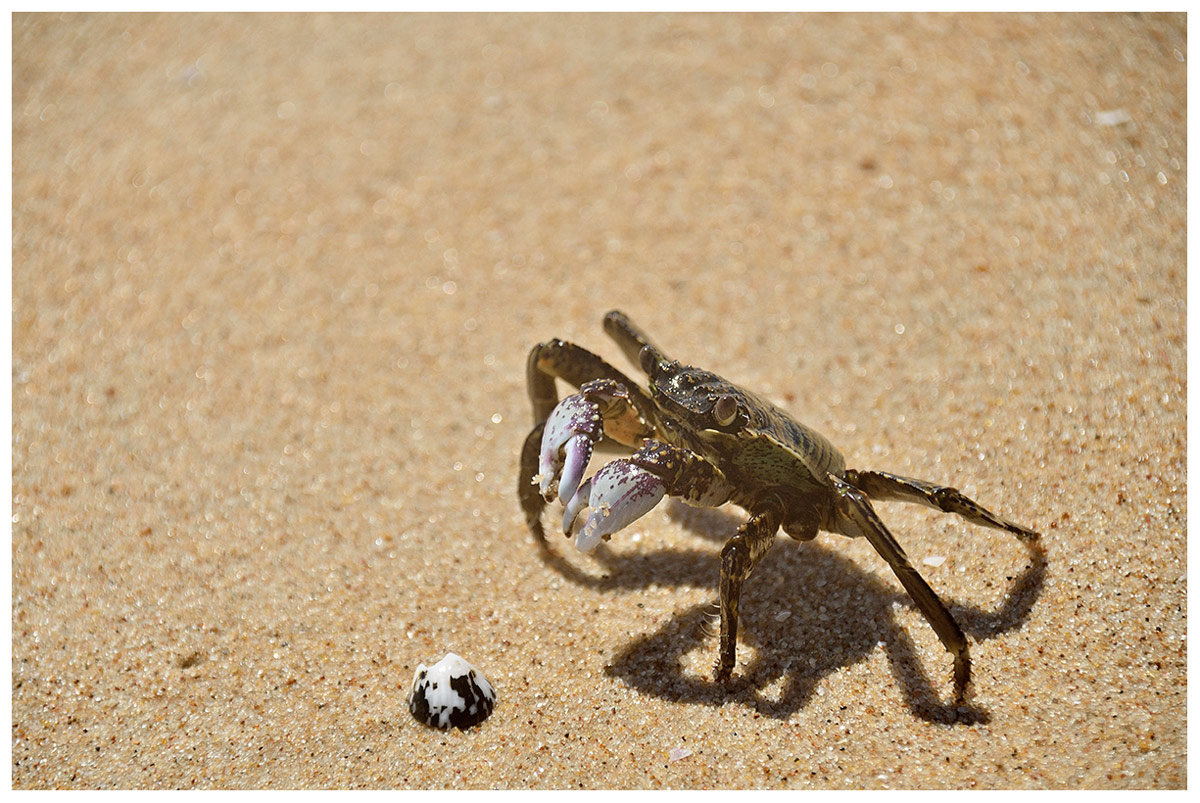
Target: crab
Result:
[702, 439]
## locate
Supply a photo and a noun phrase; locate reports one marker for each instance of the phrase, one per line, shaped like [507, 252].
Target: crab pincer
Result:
[601, 409]
[571, 430]
[620, 493]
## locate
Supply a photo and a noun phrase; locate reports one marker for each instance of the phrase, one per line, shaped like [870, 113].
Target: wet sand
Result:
[275, 280]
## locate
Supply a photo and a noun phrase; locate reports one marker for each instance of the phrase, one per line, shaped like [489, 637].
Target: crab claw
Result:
[618, 494]
[577, 503]
[573, 426]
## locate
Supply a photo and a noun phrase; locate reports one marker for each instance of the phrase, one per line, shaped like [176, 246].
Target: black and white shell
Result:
[451, 692]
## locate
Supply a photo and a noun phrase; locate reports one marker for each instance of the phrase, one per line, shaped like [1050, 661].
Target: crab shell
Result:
[761, 449]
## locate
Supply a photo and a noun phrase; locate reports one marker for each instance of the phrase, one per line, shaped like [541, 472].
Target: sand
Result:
[274, 284]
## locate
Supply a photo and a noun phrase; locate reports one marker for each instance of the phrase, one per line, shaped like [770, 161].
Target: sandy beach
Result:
[275, 280]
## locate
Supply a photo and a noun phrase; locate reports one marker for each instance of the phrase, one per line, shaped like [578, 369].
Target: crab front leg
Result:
[626, 489]
[602, 408]
[548, 361]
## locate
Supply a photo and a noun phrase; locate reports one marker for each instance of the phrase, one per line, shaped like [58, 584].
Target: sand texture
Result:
[275, 279]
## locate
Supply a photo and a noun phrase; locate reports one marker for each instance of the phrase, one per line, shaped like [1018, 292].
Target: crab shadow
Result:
[807, 612]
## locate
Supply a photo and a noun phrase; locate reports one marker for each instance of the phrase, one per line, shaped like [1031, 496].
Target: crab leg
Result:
[575, 365]
[629, 337]
[739, 557]
[881, 485]
[855, 518]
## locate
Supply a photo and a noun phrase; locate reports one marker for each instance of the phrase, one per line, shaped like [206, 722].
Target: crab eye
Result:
[725, 410]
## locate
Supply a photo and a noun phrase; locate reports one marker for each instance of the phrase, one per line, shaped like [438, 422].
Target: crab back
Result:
[757, 445]
[774, 449]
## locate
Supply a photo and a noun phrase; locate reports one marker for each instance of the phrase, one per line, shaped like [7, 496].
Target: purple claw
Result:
[578, 502]
[573, 426]
[620, 493]
[576, 453]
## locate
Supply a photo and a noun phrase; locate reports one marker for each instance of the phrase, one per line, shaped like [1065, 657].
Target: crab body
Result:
[764, 453]
[702, 439]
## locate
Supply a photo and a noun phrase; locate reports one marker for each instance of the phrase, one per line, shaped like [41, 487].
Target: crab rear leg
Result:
[881, 485]
[855, 517]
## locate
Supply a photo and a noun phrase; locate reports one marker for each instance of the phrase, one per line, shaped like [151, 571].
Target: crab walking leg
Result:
[881, 485]
[531, 499]
[560, 359]
[626, 489]
[739, 557]
[855, 517]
